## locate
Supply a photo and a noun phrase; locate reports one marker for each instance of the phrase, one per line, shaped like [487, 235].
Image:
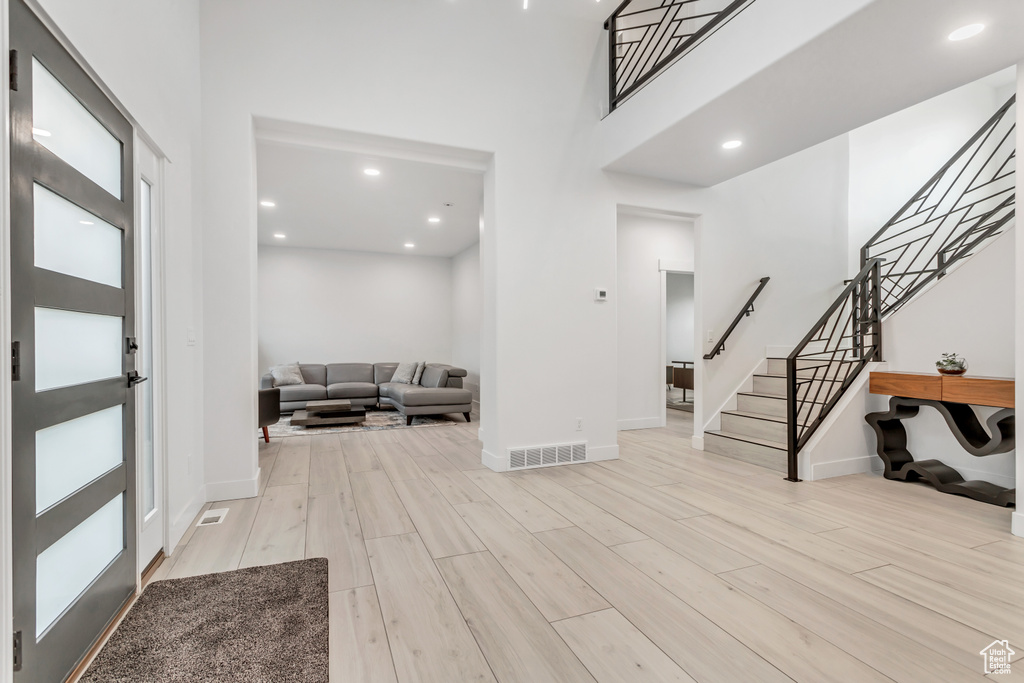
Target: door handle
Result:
[134, 378]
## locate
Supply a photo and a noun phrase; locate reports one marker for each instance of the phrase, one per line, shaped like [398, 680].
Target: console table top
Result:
[981, 391]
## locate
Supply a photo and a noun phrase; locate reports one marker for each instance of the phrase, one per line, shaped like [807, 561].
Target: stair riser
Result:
[752, 453]
[806, 368]
[776, 386]
[764, 405]
[751, 426]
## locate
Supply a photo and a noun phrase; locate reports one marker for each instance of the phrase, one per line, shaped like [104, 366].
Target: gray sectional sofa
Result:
[439, 392]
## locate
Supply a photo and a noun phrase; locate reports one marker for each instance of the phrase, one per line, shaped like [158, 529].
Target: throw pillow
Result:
[419, 373]
[403, 373]
[286, 374]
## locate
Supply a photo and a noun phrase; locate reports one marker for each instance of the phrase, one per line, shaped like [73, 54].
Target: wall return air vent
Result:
[542, 456]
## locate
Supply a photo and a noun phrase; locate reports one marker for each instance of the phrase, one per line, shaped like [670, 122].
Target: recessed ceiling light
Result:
[279, 235]
[86, 222]
[409, 245]
[732, 144]
[371, 171]
[41, 133]
[965, 32]
[267, 203]
[433, 219]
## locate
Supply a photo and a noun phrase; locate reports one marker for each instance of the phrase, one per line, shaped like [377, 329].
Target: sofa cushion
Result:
[352, 390]
[314, 373]
[419, 373]
[303, 392]
[286, 374]
[404, 373]
[412, 395]
[434, 376]
[349, 372]
[383, 372]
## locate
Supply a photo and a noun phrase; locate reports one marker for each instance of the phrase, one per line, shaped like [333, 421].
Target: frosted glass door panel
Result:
[144, 357]
[73, 453]
[75, 348]
[70, 240]
[62, 125]
[67, 567]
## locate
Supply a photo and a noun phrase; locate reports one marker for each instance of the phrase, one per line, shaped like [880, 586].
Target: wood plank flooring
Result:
[667, 565]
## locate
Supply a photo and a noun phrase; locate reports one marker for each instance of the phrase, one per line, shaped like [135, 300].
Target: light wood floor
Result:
[666, 565]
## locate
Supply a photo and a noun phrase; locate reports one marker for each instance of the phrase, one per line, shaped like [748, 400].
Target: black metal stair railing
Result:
[747, 309]
[830, 357]
[646, 36]
[969, 201]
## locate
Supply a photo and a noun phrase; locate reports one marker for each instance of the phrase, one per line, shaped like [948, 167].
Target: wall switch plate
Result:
[711, 336]
[600, 294]
[190, 336]
[579, 424]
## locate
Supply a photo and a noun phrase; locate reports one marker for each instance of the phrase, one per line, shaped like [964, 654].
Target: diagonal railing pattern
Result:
[831, 356]
[646, 36]
[969, 201]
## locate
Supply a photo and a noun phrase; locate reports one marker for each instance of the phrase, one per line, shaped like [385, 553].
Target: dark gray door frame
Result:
[62, 646]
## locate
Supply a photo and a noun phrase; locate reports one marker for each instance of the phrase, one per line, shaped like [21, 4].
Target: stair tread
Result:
[769, 374]
[756, 416]
[749, 439]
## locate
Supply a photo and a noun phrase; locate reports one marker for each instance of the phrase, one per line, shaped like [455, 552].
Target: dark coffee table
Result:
[329, 413]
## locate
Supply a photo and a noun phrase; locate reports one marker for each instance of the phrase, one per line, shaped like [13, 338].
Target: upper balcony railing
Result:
[647, 36]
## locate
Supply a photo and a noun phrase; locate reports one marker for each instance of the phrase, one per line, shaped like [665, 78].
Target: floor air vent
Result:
[213, 517]
[540, 456]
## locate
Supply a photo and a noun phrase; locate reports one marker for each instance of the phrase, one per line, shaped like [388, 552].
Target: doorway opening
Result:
[679, 341]
[655, 256]
[368, 257]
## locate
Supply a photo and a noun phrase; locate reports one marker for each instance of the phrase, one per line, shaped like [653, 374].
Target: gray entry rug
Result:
[257, 625]
[375, 420]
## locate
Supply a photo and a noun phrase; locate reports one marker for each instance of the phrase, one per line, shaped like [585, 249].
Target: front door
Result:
[73, 410]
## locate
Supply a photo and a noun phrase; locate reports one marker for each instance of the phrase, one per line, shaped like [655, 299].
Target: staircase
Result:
[969, 201]
[756, 431]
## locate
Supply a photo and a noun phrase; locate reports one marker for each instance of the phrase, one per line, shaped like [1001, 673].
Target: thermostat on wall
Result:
[600, 294]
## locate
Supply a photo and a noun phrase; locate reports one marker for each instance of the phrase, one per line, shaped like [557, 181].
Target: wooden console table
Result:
[952, 397]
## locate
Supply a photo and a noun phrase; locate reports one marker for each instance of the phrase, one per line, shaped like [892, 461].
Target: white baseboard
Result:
[480, 433]
[1017, 524]
[697, 442]
[599, 453]
[840, 468]
[184, 519]
[494, 462]
[233, 490]
[640, 423]
[968, 473]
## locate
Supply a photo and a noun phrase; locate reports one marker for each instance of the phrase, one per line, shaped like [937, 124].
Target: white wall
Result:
[333, 306]
[892, 158]
[549, 235]
[642, 242]
[679, 314]
[159, 86]
[467, 315]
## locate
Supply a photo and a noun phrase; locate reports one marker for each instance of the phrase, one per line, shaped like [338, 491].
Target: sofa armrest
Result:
[267, 381]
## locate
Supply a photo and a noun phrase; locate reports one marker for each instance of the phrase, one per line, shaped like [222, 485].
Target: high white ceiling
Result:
[889, 56]
[324, 200]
